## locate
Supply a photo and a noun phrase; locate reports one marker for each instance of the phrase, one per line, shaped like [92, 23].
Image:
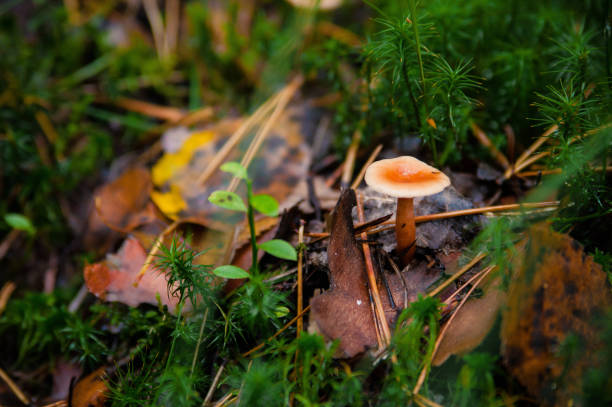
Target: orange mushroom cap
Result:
[405, 177]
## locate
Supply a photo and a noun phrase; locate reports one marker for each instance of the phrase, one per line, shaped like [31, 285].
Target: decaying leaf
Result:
[114, 279]
[343, 312]
[557, 290]
[122, 204]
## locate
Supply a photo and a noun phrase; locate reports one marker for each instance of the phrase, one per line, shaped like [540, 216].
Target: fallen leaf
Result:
[122, 203]
[343, 312]
[472, 323]
[557, 290]
[114, 279]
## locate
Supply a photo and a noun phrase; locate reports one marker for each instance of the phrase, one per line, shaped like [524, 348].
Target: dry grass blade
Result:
[485, 141]
[349, 161]
[14, 388]
[213, 385]
[370, 160]
[380, 313]
[284, 98]
[531, 149]
[157, 25]
[173, 12]
[458, 274]
[423, 374]
[280, 331]
[242, 131]
[5, 294]
[537, 173]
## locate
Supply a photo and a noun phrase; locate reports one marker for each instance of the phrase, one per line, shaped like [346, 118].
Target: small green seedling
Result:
[262, 203]
[20, 222]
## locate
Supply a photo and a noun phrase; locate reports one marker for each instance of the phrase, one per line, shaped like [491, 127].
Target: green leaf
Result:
[265, 204]
[229, 271]
[281, 311]
[19, 222]
[235, 168]
[228, 200]
[279, 248]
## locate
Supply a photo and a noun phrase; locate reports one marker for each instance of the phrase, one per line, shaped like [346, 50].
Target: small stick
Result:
[226, 400]
[484, 140]
[213, 386]
[14, 388]
[458, 274]
[380, 313]
[423, 374]
[377, 327]
[5, 294]
[397, 271]
[300, 285]
[287, 325]
[370, 160]
[284, 99]
[339, 33]
[170, 114]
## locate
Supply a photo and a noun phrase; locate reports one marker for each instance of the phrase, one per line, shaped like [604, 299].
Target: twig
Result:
[423, 374]
[170, 114]
[450, 214]
[380, 313]
[226, 400]
[287, 325]
[14, 388]
[397, 271]
[458, 274]
[526, 163]
[370, 160]
[485, 141]
[300, 285]
[536, 173]
[5, 294]
[213, 386]
[448, 299]
[338, 33]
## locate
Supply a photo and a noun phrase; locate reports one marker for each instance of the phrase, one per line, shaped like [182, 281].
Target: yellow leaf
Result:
[170, 163]
[170, 203]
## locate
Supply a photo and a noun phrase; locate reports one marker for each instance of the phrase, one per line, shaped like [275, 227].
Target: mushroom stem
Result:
[405, 230]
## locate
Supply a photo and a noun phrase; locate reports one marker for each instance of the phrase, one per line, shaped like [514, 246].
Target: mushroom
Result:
[405, 178]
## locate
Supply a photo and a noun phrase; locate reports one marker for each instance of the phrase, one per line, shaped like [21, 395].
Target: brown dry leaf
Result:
[343, 312]
[472, 323]
[91, 390]
[123, 204]
[114, 279]
[276, 169]
[557, 290]
[118, 277]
